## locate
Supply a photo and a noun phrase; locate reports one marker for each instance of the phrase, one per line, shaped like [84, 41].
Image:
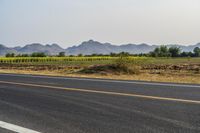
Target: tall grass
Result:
[41, 60]
[137, 61]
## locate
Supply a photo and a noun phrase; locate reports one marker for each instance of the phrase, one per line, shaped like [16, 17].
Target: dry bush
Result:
[127, 65]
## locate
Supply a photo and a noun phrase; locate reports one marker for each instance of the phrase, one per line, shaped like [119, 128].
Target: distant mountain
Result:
[4, 50]
[87, 48]
[36, 47]
[53, 49]
[91, 47]
[135, 49]
[94, 47]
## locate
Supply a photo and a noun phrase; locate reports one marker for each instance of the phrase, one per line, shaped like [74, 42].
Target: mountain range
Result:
[88, 48]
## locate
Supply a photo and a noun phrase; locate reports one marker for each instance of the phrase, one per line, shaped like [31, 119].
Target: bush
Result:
[10, 55]
[127, 65]
[61, 54]
[38, 55]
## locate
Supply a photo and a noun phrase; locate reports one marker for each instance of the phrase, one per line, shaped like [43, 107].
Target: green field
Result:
[57, 60]
[66, 60]
[180, 60]
[183, 70]
[94, 60]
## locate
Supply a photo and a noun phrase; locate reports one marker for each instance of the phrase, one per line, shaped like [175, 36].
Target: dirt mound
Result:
[190, 67]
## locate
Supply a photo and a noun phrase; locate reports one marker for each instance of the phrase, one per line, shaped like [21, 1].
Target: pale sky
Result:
[69, 22]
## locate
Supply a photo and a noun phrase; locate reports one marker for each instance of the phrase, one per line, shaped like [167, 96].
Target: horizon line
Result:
[149, 44]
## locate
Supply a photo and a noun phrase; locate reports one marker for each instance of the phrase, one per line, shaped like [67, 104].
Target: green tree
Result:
[113, 54]
[196, 52]
[80, 55]
[161, 51]
[124, 54]
[38, 54]
[175, 51]
[10, 55]
[156, 52]
[184, 54]
[164, 51]
[61, 54]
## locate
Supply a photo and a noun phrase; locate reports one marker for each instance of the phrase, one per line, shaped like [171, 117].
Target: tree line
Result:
[35, 54]
[162, 51]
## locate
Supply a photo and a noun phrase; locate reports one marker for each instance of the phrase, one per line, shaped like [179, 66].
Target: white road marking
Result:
[105, 92]
[107, 80]
[16, 128]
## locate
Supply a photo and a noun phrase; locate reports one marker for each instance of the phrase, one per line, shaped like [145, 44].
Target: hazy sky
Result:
[69, 22]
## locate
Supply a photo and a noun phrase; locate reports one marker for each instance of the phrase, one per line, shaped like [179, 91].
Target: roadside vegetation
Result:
[162, 64]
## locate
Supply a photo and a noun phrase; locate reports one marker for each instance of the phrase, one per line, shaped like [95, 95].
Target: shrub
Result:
[127, 65]
[10, 55]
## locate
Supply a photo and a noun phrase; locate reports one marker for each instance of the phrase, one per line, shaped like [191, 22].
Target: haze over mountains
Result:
[87, 48]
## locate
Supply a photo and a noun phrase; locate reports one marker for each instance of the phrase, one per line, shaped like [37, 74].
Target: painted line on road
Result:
[16, 128]
[104, 92]
[105, 80]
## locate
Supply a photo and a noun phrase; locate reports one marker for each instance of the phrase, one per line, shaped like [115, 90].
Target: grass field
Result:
[184, 70]
[56, 60]
[92, 60]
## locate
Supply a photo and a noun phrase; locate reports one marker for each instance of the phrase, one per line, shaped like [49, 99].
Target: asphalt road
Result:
[75, 105]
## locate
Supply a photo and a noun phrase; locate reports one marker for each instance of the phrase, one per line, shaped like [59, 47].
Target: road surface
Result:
[35, 104]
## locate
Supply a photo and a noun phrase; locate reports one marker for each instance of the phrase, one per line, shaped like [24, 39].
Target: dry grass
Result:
[145, 76]
[178, 70]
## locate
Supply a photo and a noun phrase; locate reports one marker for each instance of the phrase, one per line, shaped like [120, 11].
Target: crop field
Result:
[65, 60]
[186, 70]
[104, 60]
[56, 60]
[95, 60]
[143, 63]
